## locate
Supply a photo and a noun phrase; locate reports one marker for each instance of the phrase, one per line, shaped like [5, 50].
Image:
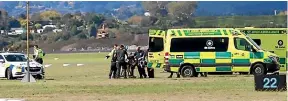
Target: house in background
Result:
[16, 31]
[52, 26]
[2, 32]
[57, 30]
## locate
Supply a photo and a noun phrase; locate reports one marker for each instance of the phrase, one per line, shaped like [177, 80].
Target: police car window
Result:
[1, 57]
[199, 44]
[242, 44]
[15, 58]
[156, 44]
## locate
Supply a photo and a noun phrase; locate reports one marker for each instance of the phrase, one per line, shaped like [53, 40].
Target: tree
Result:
[24, 37]
[135, 20]
[154, 7]
[14, 23]
[49, 15]
[98, 19]
[23, 22]
[92, 30]
[36, 17]
[22, 16]
[48, 29]
[82, 36]
[38, 26]
[182, 12]
[74, 30]
[4, 19]
[66, 36]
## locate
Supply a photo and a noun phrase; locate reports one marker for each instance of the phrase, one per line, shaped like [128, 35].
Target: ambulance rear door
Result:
[156, 48]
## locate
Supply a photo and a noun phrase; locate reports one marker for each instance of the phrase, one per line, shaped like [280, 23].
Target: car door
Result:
[156, 48]
[2, 66]
[241, 55]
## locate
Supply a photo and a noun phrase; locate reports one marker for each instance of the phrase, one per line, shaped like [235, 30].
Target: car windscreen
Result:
[15, 58]
[156, 44]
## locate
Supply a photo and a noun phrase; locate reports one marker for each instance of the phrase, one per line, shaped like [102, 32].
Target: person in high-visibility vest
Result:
[113, 68]
[38, 54]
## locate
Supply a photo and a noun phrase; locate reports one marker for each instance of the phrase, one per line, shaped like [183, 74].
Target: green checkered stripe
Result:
[221, 57]
[199, 32]
[156, 32]
[154, 65]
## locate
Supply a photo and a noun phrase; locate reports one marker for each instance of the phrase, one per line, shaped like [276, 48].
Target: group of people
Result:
[122, 63]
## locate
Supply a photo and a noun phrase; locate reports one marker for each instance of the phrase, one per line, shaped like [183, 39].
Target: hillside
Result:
[129, 39]
[205, 8]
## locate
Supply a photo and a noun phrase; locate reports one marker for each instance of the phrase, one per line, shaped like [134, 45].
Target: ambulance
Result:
[192, 51]
[14, 65]
[273, 40]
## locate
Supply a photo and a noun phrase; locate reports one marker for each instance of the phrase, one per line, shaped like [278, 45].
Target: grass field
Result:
[90, 83]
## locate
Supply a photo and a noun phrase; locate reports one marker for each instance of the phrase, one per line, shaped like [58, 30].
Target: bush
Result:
[82, 36]
[48, 29]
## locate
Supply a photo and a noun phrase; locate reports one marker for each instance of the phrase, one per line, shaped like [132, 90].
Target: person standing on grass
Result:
[150, 71]
[121, 54]
[38, 54]
[113, 68]
[140, 57]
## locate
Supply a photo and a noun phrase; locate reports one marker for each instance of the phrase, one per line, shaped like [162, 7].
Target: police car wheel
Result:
[9, 74]
[188, 71]
[259, 69]
[39, 77]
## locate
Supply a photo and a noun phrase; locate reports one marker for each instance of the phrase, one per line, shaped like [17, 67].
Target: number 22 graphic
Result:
[267, 82]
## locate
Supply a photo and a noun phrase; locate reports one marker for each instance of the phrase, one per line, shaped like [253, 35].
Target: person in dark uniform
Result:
[113, 67]
[139, 55]
[150, 71]
[131, 65]
[120, 61]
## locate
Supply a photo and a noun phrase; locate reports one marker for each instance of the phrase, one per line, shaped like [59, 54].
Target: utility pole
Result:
[28, 77]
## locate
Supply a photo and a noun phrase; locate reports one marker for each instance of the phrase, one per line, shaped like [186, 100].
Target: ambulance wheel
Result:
[188, 71]
[9, 74]
[259, 69]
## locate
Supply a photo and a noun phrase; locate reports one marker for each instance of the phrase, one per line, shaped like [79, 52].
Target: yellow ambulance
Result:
[191, 51]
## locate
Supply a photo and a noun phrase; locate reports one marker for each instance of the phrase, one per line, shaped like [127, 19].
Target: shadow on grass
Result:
[49, 79]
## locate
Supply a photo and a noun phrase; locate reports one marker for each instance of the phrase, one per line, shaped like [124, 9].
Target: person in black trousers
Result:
[120, 61]
[140, 57]
[113, 67]
[150, 71]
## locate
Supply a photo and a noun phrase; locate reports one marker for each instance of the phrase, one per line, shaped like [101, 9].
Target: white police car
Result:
[14, 65]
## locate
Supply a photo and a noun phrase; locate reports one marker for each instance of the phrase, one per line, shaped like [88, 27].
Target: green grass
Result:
[90, 82]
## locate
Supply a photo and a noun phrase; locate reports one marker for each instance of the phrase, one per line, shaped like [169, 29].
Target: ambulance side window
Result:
[242, 44]
[200, 44]
[1, 57]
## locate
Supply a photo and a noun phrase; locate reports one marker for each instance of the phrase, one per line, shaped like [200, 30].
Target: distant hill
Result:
[205, 8]
[221, 8]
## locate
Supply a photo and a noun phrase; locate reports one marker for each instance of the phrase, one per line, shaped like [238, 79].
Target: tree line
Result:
[162, 15]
